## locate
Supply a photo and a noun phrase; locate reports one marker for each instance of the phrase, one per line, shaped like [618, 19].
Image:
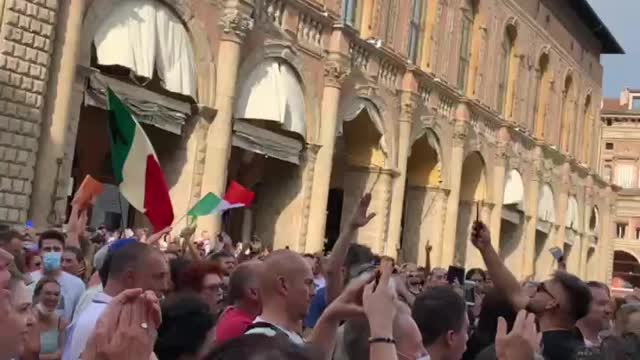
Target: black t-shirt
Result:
[561, 344]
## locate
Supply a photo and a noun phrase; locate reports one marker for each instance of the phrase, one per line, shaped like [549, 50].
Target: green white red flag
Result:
[135, 166]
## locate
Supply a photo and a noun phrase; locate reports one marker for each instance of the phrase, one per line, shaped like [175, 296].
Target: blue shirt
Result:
[318, 304]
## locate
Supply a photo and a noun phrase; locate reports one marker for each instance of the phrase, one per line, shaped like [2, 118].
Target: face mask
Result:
[51, 261]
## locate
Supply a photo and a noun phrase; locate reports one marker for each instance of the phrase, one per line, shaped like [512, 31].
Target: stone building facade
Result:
[620, 165]
[446, 110]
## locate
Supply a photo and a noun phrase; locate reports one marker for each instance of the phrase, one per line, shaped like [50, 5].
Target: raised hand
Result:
[360, 218]
[378, 302]
[522, 342]
[154, 238]
[480, 236]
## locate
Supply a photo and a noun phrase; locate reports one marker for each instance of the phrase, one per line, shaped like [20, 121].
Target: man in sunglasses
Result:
[558, 303]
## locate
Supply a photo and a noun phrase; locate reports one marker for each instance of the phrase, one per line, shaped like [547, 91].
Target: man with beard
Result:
[558, 303]
[599, 317]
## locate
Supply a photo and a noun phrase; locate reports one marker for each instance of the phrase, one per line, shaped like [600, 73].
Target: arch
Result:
[275, 81]
[541, 94]
[351, 107]
[146, 36]
[514, 189]
[572, 220]
[588, 123]
[546, 204]
[625, 256]
[200, 43]
[626, 268]
[424, 161]
[473, 186]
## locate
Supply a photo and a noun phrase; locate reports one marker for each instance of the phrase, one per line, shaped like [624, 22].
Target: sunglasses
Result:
[542, 287]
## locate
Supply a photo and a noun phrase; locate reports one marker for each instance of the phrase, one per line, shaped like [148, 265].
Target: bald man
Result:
[286, 289]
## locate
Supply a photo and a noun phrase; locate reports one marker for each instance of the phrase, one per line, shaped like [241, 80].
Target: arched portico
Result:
[513, 220]
[473, 194]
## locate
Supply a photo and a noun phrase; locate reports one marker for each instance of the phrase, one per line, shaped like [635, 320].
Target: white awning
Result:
[572, 219]
[512, 215]
[570, 236]
[144, 35]
[546, 204]
[262, 141]
[272, 92]
[514, 190]
[351, 108]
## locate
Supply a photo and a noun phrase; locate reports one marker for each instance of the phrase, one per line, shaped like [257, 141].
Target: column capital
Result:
[502, 152]
[408, 105]
[460, 132]
[235, 24]
[336, 70]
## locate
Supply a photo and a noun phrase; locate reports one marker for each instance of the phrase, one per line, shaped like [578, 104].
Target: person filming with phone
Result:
[558, 302]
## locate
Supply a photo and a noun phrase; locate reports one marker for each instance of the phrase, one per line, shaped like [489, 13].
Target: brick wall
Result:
[26, 42]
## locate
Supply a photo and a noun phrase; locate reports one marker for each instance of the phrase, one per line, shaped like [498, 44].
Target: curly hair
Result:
[192, 276]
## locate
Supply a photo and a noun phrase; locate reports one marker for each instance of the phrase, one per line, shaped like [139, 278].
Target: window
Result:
[465, 47]
[505, 66]
[392, 20]
[565, 120]
[349, 8]
[609, 122]
[625, 175]
[608, 146]
[621, 230]
[638, 233]
[539, 104]
[635, 103]
[415, 30]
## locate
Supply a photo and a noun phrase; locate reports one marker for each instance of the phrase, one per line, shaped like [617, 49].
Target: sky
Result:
[620, 71]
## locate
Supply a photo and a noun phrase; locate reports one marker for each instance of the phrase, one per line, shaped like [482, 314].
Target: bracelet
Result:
[385, 340]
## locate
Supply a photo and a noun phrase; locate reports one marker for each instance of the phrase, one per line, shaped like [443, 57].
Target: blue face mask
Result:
[51, 261]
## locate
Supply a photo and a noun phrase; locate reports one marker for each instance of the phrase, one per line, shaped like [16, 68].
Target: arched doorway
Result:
[142, 51]
[573, 242]
[512, 223]
[268, 139]
[626, 267]
[471, 206]
[358, 167]
[544, 227]
[422, 219]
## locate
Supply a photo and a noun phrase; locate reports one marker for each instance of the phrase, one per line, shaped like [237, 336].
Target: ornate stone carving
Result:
[335, 72]
[408, 106]
[236, 24]
[460, 133]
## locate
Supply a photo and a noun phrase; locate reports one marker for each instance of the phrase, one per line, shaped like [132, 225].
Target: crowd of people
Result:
[93, 294]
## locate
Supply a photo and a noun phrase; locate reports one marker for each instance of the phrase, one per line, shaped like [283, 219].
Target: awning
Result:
[351, 108]
[144, 35]
[148, 107]
[570, 236]
[572, 219]
[272, 92]
[262, 141]
[546, 204]
[512, 215]
[543, 226]
[420, 130]
[514, 190]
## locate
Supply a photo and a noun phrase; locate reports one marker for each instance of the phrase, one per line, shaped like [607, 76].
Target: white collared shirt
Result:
[82, 327]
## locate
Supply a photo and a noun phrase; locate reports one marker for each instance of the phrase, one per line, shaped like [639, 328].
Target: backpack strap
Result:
[264, 325]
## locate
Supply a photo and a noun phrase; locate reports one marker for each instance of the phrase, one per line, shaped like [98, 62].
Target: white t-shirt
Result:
[86, 299]
[71, 289]
[294, 337]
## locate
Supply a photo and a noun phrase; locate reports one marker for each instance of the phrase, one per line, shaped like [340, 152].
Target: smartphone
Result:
[455, 273]
[556, 252]
[470, 292]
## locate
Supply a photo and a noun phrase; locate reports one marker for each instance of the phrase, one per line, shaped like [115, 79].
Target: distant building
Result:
[620, 165]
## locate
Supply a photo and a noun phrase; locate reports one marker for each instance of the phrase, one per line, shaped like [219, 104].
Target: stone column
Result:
[533, 191]
[335, 71]
[409, 104]
[447, 249]
[500, 170]
[235, 23]
[55, 138]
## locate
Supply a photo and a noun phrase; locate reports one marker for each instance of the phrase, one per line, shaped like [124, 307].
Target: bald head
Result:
[286, 284]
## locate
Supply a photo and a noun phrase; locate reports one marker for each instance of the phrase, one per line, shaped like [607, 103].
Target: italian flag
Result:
[135, 166]
[236, 196]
